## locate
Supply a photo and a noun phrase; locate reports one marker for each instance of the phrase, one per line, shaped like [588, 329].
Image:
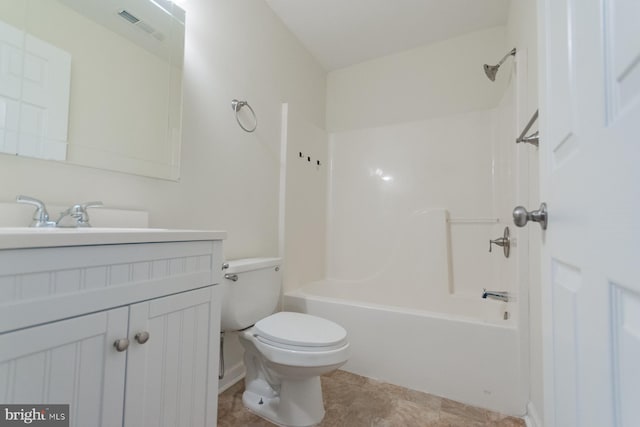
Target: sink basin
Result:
[31, 237]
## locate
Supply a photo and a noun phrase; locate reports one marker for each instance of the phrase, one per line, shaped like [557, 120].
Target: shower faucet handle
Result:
[500, 241]
[504, 241]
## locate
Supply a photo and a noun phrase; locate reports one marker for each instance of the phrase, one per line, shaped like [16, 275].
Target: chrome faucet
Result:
[40, 216]
[78, 213]
[499, 295]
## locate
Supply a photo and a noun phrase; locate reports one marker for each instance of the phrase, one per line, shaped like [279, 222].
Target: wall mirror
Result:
[93, 82]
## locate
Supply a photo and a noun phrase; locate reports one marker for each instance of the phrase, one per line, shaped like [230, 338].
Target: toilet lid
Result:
[300, 329]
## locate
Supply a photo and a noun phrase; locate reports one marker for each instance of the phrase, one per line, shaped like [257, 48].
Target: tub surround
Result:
[409, 224]
[401, 204]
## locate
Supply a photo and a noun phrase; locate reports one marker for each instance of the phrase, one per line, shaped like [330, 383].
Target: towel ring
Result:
[237, 106]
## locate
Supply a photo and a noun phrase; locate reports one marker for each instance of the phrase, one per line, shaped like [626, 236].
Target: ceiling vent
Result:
[129, 17]
[140, 24]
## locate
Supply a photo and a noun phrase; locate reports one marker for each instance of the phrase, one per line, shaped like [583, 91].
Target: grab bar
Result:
[237, 106]
[473, 220]
[532, 139]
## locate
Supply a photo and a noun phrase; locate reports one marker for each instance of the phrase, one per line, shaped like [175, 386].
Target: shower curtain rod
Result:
[533, 138]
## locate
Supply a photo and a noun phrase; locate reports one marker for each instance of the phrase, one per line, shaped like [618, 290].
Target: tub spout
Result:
[499, 295]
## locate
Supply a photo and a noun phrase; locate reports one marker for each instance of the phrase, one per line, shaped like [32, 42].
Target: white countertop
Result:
[27, 237]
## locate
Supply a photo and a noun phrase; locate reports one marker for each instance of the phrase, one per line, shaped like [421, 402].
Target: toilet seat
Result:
[301, 357]
[299, 340]
[300, 332]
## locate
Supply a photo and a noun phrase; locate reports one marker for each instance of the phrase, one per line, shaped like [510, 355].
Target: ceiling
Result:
[340, 33]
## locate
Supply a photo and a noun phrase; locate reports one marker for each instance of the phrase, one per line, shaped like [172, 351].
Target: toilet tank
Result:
[254, 295]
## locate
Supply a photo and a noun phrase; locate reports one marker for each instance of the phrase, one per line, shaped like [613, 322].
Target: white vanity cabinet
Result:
[70, 361]
[166, 382]
[63, 308]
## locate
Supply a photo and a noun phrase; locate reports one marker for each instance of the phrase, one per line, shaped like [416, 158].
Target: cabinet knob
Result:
[122, 344]
[142, 337]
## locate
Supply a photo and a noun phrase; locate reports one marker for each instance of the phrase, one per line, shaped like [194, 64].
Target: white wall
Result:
[230, 179]
[305, 247]
[430, 81]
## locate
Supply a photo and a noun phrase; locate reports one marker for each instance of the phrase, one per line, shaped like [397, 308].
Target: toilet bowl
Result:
[285, 352]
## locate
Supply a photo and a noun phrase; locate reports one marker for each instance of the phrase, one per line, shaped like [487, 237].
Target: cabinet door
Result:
[68, 362]
[172, 377]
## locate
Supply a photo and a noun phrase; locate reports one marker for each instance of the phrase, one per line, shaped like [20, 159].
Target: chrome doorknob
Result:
[521, 216]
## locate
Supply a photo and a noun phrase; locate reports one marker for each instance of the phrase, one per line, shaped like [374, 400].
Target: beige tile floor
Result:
[354, 401]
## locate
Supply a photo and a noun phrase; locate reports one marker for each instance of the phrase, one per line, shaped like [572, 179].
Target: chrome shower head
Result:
[492, 70]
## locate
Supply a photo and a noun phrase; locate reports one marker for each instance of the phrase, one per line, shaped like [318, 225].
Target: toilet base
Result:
[287, 394]
[298, 404]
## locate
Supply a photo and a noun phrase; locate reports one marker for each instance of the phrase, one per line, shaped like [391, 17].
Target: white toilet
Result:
[285, 353]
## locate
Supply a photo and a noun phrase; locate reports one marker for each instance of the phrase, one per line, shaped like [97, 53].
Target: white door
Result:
[35, 84]
[172, 377]
[44, 110]
[11, 60]
[590, 169]
[68, 362]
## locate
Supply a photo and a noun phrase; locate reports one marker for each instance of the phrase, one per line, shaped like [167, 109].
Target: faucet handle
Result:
[39, 204]
[81, 209]
[40, 216]
[95, 204]
[85, 215]
[83, 221]
[504, 241]
[79, 213]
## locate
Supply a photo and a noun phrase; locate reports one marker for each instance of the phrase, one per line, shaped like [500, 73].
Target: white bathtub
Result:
[458, 348]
